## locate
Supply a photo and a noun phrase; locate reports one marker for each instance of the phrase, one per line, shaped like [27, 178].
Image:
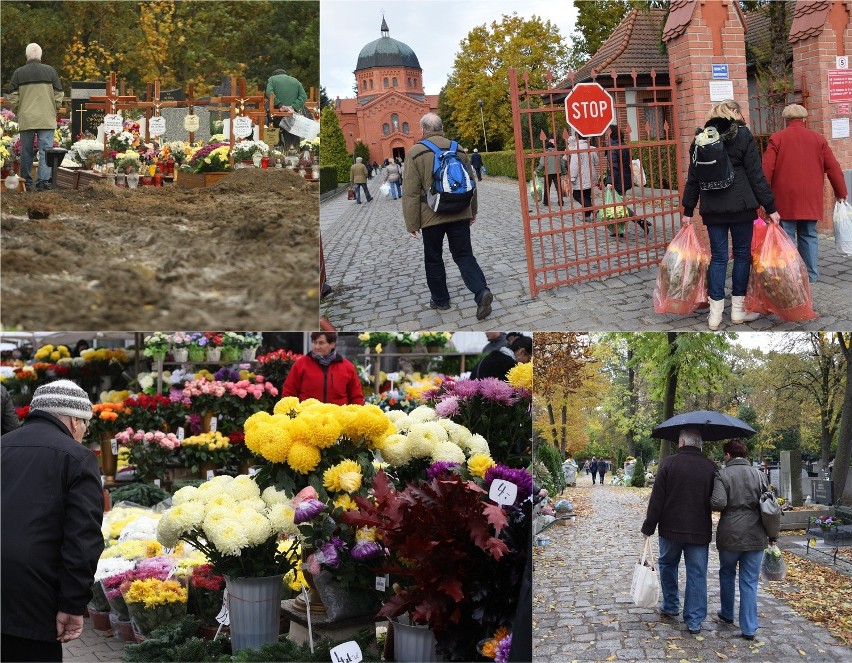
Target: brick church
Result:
[386, 114]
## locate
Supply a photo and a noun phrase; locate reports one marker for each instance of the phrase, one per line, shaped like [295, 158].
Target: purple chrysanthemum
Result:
[464, 389]
[493, 389]
[364, 550]
[520, 477]
[328, 555]
[503, 648]
[438, 468]
[449, 407]
[225, 374]
[307, 510]
[159, 566]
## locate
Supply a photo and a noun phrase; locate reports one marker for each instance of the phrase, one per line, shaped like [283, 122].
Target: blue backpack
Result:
[452, 186]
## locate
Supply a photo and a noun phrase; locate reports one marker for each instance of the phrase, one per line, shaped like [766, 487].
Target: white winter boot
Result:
[714, 319]
[738, 312]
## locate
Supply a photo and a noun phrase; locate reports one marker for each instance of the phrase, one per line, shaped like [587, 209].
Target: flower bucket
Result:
[125, 631]
[213, 354]
[108, 458]
[100, 620]
[196, 354]
[413, 643]
[230, 353]
[254, 606]
[180, 354]
[249, 354]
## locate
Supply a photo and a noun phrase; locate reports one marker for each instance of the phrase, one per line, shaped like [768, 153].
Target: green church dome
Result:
[386, 52]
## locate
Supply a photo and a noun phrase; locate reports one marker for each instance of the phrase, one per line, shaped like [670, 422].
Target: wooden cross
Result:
[154, 104]
[238, 102]
[110, 103]
[191, 103]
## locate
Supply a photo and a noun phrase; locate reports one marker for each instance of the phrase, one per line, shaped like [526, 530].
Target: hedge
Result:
[501, 163]
[552, 460]
[328, 179]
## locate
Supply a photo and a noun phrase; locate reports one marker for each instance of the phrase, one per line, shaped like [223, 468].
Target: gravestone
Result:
[785, 484]
[85, 119]
[174, 124]
[823, 491]
[167, 95]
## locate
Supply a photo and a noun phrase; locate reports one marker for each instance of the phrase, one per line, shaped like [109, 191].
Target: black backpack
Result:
[710, 160]
[452, 186]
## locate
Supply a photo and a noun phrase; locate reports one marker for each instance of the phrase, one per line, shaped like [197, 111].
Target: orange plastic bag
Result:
[682, 280]
[758, 234]
[779, 279]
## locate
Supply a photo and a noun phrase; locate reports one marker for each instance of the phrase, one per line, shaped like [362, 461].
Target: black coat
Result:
[619, 163]
[739, 202]
[476, 160]
[52, 508]
[494, 365]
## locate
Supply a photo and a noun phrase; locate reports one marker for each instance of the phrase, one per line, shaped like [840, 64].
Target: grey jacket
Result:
[35, 94]
[551, 164]
[736, 493]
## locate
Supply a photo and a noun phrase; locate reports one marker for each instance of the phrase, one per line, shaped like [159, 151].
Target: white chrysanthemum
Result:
[249, 507]
[168, 533]
[185, 494]
[404, 423]
[423, 438]
[395, 450]
[281, 518]
[141, 529]
[256, 526]
[111, 566]
[395, 415]
[422, 413]
[478, 445]
[458, 433]
[448, 451]
[242, 488]
[221, 500]
[271, 496]
[227, 536]
[215, 486]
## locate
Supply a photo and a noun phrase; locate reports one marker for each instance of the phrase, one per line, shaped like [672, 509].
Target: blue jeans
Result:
[749, 562]
[358, 193]
[804, 236]
[45, 142]
[458, 237]
[741, 243]
[695, 595]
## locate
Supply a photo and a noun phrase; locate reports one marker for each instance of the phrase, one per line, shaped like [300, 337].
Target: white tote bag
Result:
[843, 227]
[645, 588]
[638, 173]
[300, 126]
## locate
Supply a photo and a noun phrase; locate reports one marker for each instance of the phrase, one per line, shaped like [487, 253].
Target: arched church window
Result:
[385, 128]
[364, 85]
[371, 83]
[405, 127]
[395, 121]
[386, 81]
[394, 81]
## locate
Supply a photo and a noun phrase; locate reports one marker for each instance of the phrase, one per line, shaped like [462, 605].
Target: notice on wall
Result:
[721, 90]
[839, 85]
[839, 127]
[843, 109]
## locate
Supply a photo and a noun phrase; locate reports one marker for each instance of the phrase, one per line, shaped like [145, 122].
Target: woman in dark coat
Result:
[730, 210]
[620, 174]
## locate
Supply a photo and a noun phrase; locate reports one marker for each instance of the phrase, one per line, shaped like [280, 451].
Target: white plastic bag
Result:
[638, 173]
[645, 588]
[299, 125]
[843, 227]
[385, 189]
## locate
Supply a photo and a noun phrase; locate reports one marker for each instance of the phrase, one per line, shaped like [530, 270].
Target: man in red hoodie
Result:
[323, 374]
[795, 162]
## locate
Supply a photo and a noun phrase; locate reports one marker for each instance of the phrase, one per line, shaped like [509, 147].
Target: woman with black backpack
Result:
[726, 175]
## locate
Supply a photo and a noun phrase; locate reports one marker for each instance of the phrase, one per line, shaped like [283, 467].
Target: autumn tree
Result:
[844, 436]
[481, 71]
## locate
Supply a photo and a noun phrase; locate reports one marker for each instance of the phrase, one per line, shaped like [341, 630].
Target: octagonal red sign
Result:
[589, 109]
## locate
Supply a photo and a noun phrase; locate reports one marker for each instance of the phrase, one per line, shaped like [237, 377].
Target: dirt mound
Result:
[242, 254]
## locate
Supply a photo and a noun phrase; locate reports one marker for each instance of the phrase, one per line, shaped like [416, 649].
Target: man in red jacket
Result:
[323, 374]
[795, 162]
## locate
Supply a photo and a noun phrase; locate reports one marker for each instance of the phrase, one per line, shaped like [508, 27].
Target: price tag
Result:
[214, 424]
[223, 617]
[210, 474]
[113, 123]
[172, 572]
[242, 126]
[114, 446]
[503, 492]
[157, 126]
[180, 433]
[253, 470]
[167, 551]
[157, 483]
[191, 123]
[381, 583]
[348, 652]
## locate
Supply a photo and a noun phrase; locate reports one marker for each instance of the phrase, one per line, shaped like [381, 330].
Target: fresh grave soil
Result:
[241, 254]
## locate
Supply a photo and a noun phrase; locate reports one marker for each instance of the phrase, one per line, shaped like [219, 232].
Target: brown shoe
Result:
[483, 309]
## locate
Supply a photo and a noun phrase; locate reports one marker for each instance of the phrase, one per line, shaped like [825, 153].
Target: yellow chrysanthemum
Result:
[478, 464]
[295, 580]
[303, 458]
[368, 422]
[521, 376]
[345, 476]
[324, 426]
[365, 534]
[345, 502]
[289, 405]
[154, 592]
[269, 437]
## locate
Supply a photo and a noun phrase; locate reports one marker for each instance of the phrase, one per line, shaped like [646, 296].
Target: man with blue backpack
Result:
[439, 199]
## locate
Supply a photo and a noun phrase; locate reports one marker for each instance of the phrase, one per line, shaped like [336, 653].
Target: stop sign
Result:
[589, 109]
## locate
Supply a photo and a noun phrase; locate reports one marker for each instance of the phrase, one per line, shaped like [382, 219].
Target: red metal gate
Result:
[572, 241]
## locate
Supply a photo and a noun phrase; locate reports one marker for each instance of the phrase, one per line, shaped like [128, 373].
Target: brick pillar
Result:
[820, 32]
[698, 34]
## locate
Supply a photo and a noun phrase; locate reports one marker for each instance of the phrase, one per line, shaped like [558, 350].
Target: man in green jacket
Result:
[419, 217]
[289, 97]
[35, 94]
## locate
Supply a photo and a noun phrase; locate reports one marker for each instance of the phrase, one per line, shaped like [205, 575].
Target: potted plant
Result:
[179, 343]
[206, 596]
[154, 603]
[149, 451]
[435, 341]
[205, 452]
[156, 345]
[405, 341]
[376, 340]
[213, 346]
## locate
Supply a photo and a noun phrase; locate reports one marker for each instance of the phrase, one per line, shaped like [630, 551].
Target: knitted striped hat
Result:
[62, 397]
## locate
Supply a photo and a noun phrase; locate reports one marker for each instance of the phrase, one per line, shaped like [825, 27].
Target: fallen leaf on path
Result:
[720, 655]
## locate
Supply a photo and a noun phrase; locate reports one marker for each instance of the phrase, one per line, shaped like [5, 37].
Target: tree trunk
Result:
[796, 470]
[634, 402]
[563, 440]
[844, 438]
[671, 392]
[552, 419]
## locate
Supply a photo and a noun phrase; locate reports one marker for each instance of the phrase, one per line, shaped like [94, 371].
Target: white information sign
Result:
[191, 123]
[721, 90]
[381, 585]
[180, 433]
[839, 127]
[214, 424]
[223, 617]
[210, 474]
[157, 126]
[503, 492]
[114, 444]
[113, 123]
[842, 62]
[242, 126]
[348, 652]
[157, 483]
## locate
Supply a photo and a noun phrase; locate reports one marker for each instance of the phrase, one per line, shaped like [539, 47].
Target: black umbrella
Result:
[713, 426]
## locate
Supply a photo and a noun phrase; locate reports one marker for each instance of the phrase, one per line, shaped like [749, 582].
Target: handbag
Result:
[843, 227]
[350, 195]
[645, 588]
[770, 512]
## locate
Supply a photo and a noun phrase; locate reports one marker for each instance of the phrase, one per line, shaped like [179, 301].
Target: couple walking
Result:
[687, 487]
